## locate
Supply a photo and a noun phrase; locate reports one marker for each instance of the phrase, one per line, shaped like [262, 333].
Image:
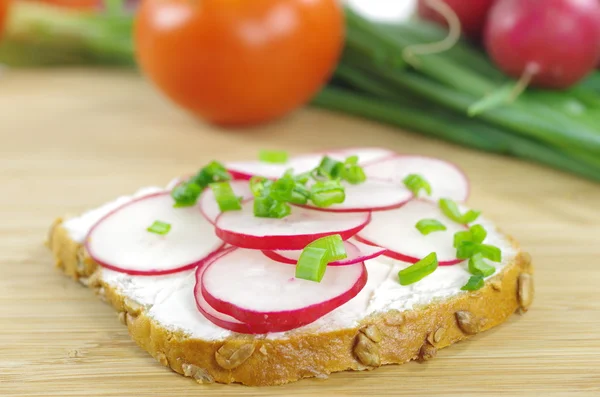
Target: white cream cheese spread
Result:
[170, 299]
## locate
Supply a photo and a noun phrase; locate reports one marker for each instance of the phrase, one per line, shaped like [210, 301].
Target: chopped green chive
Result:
[159, 227]
[478, 267]
[334, 245]
[478, 233]
[415, 183]
[466, 249]
[327, 193]
[316, 255]
[490, 252]
[257, 185]
[474, 283]
[266, 207]
[451, 210]
[354, 173]
[213, 172]
[419, 270]
[300, 195]
[282, 188]
[460, 237]
[330, 168]
[273, 156]
[427, 226]
[312, 264]
[225, 196]
[186, 194]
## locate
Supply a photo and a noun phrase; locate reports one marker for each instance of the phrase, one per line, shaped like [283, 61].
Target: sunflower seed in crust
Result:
[525, 290]
[199, 375]
[467, 322]
[372, 332]
[366, 351]
[427, 352]
[231, 355]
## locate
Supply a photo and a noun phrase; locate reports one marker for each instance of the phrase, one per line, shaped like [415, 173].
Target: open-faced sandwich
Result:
[270, 271]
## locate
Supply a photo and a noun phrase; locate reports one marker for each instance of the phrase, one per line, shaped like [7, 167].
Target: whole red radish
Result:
[471, 13]
[556, 41]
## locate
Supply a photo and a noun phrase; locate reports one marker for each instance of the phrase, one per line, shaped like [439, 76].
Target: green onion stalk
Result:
[456, 95]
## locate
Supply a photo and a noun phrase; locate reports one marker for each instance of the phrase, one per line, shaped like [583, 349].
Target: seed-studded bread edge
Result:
[389, 338]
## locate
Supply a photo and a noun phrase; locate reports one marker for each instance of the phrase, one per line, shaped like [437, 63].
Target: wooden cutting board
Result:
[71, 140]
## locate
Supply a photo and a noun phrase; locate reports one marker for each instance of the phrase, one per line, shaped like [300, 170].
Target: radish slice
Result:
[446, 179]
[396, 231]
[220, 319]
[294, 232]
[246, 170]
[371, 195]
[355, 254]
[256, 290]
[120, 241]
[209, 206]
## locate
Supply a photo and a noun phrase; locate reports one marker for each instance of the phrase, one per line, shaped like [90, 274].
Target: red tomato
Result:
[239, 62]
[3, 14]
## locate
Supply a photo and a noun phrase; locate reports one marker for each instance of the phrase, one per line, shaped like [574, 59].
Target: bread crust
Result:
[384, 338]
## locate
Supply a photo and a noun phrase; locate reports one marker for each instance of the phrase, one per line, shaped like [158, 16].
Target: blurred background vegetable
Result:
[413, 74]
[3, 14]
[239, 62]
[472, 14]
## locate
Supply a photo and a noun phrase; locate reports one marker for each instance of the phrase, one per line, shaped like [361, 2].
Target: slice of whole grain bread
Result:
[390, 337]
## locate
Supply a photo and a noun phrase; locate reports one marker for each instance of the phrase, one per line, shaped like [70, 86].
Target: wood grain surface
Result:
[71, 140]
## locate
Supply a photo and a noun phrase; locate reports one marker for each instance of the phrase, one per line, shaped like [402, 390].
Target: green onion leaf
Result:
[279, 210]
[478, 267]
[258, 184]
[262, 206]
[470, 217]
[327, 193]
[451, 210]
[273, 156]
[281, 189]
[213, 172]
[460, 237]
[159, 227]
[427, 226]
[300, 194]
[186, 194]
[415, 183]
[466, 249]
[478, 233]
[419, 270]
[330, 168]
[490, 252]
[336, 250]
[225, 196]
[474, 283]
[312, 264]
[352, 160]
[354, 174]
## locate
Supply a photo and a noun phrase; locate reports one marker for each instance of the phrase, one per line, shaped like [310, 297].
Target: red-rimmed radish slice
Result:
[120, 241]
[396, 231]
[366, 155]
[209, 206]
[294, 232]
[356, 251]
[247, 169]
[371, 195]
[303, 163]
[446, 179]
[255, 290]
[220, 319]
